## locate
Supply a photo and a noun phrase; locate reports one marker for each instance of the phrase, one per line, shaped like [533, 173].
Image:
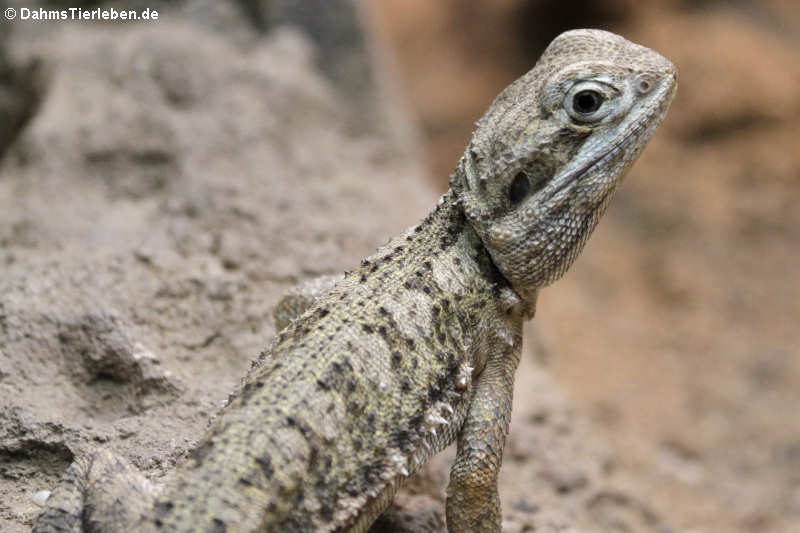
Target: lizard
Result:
[417, 347]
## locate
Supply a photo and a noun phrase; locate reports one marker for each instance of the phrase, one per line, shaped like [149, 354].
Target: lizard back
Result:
[370, 376]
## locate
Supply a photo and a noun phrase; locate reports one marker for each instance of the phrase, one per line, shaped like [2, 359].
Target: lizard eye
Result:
[519, 188]
[587, 102]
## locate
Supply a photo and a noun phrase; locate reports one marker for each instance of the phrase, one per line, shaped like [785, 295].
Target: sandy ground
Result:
[161, 184]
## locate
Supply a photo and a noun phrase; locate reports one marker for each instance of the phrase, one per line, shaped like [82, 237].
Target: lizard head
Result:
[548, 155]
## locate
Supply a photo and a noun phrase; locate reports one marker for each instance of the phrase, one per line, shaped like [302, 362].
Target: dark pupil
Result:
[586, 102]
[519, 188]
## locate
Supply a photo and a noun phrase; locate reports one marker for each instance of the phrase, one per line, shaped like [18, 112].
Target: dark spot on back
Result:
[161, 508]
[265, 463]
[326, 511]
[434, 393]
[402, 439]
[397, 358]
[201, 451]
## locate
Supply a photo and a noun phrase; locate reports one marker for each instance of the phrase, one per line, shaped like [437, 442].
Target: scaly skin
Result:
[418, 346]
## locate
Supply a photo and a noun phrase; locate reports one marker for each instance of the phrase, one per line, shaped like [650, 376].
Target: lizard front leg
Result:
[473, 502]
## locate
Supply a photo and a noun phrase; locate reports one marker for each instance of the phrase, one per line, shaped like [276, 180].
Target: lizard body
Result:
[417, 347]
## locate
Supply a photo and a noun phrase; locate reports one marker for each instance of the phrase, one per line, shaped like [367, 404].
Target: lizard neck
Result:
[446, 236]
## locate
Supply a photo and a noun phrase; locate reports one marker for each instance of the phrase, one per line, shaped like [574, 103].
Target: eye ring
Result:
[590, 101]
[519, 188]
[587, 101]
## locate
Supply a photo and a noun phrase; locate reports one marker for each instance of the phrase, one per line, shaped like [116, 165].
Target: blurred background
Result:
[676, 334]
[678, 329]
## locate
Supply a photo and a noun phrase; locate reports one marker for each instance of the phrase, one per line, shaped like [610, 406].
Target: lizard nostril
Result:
[644, 84]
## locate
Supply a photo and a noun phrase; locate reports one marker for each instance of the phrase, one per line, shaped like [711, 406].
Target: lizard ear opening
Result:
[519, 188]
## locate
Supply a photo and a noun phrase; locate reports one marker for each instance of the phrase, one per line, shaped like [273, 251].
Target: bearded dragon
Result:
[415, 348]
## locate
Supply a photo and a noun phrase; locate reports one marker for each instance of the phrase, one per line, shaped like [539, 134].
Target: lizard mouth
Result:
[618, 148]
